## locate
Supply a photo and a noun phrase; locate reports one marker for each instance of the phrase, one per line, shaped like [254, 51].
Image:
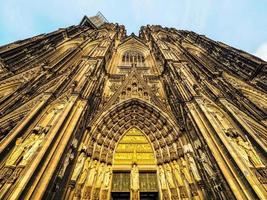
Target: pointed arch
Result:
[113, 123]
[134, 147]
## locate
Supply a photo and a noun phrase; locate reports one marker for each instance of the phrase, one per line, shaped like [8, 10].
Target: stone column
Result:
[238, 188]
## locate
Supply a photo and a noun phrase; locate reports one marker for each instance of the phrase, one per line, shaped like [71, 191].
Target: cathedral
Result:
[88, 112]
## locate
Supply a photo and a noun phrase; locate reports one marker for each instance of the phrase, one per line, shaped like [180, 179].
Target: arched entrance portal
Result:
[135, 151]
[134, 167]
[135, 120]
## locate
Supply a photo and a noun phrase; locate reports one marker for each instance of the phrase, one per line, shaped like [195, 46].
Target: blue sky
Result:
[239, 23]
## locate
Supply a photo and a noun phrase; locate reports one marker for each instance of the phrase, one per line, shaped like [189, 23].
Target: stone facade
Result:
[88, 112]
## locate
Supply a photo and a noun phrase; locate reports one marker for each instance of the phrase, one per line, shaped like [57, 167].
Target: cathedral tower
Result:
[88, 112]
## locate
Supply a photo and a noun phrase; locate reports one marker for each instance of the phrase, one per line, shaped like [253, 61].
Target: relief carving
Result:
[79, 165]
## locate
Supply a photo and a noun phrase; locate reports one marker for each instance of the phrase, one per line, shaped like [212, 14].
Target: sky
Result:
[239, 23]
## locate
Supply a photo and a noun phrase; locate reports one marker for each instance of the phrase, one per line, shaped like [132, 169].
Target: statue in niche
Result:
[74, 143]
[90, 180]
[169, 176]
[19, 149]
[162, 178]
[206, 164]
[107, 179]
[92, 173]
[182, 186]
[26, 156]
[221, 119]
[69, 157]
[177, 173]
[197, 144]
[100, 176]
[134, 178]
[245, 148]
[106, 183]
[16, 153]
[134, 89]
[163, 183]
[251, 154]
[85, 171]
[194, 169]
[82, 178]
[135, 182]
[170, 180]
[79, 165]
[188, 150]
[67, 160]
[185, 170]
[99, 180]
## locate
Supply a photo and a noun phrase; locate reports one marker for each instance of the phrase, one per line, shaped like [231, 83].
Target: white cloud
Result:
[261, 52]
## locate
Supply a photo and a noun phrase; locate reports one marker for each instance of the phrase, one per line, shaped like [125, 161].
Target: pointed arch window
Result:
[133, 57]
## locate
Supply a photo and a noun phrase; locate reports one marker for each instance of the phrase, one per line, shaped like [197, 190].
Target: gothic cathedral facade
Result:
[88, 112]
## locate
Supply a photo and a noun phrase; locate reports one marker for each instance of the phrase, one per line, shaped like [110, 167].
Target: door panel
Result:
[120, 195]
[148, 196]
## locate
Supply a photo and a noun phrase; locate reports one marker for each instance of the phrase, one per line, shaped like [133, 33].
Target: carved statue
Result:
[107, 178]
[197, 144]
[177, 173]
[90, 180]
[245, 148]
[92, 173]
[74, 143]
[98, 183]
[162, 179]
[169, 176]
[100, 176]
[78, 166]
[32, 149]
[206, 164]
[188, 150]
[134, 90]
[19, 149]
[67, 160]
[194, 168]
[185, 170]
[85, 171]
[134, 178]
[82, 179]
[135, 182]
[251, 154]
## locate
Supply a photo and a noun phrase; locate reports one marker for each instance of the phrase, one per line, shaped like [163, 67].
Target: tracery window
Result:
[133, 57]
